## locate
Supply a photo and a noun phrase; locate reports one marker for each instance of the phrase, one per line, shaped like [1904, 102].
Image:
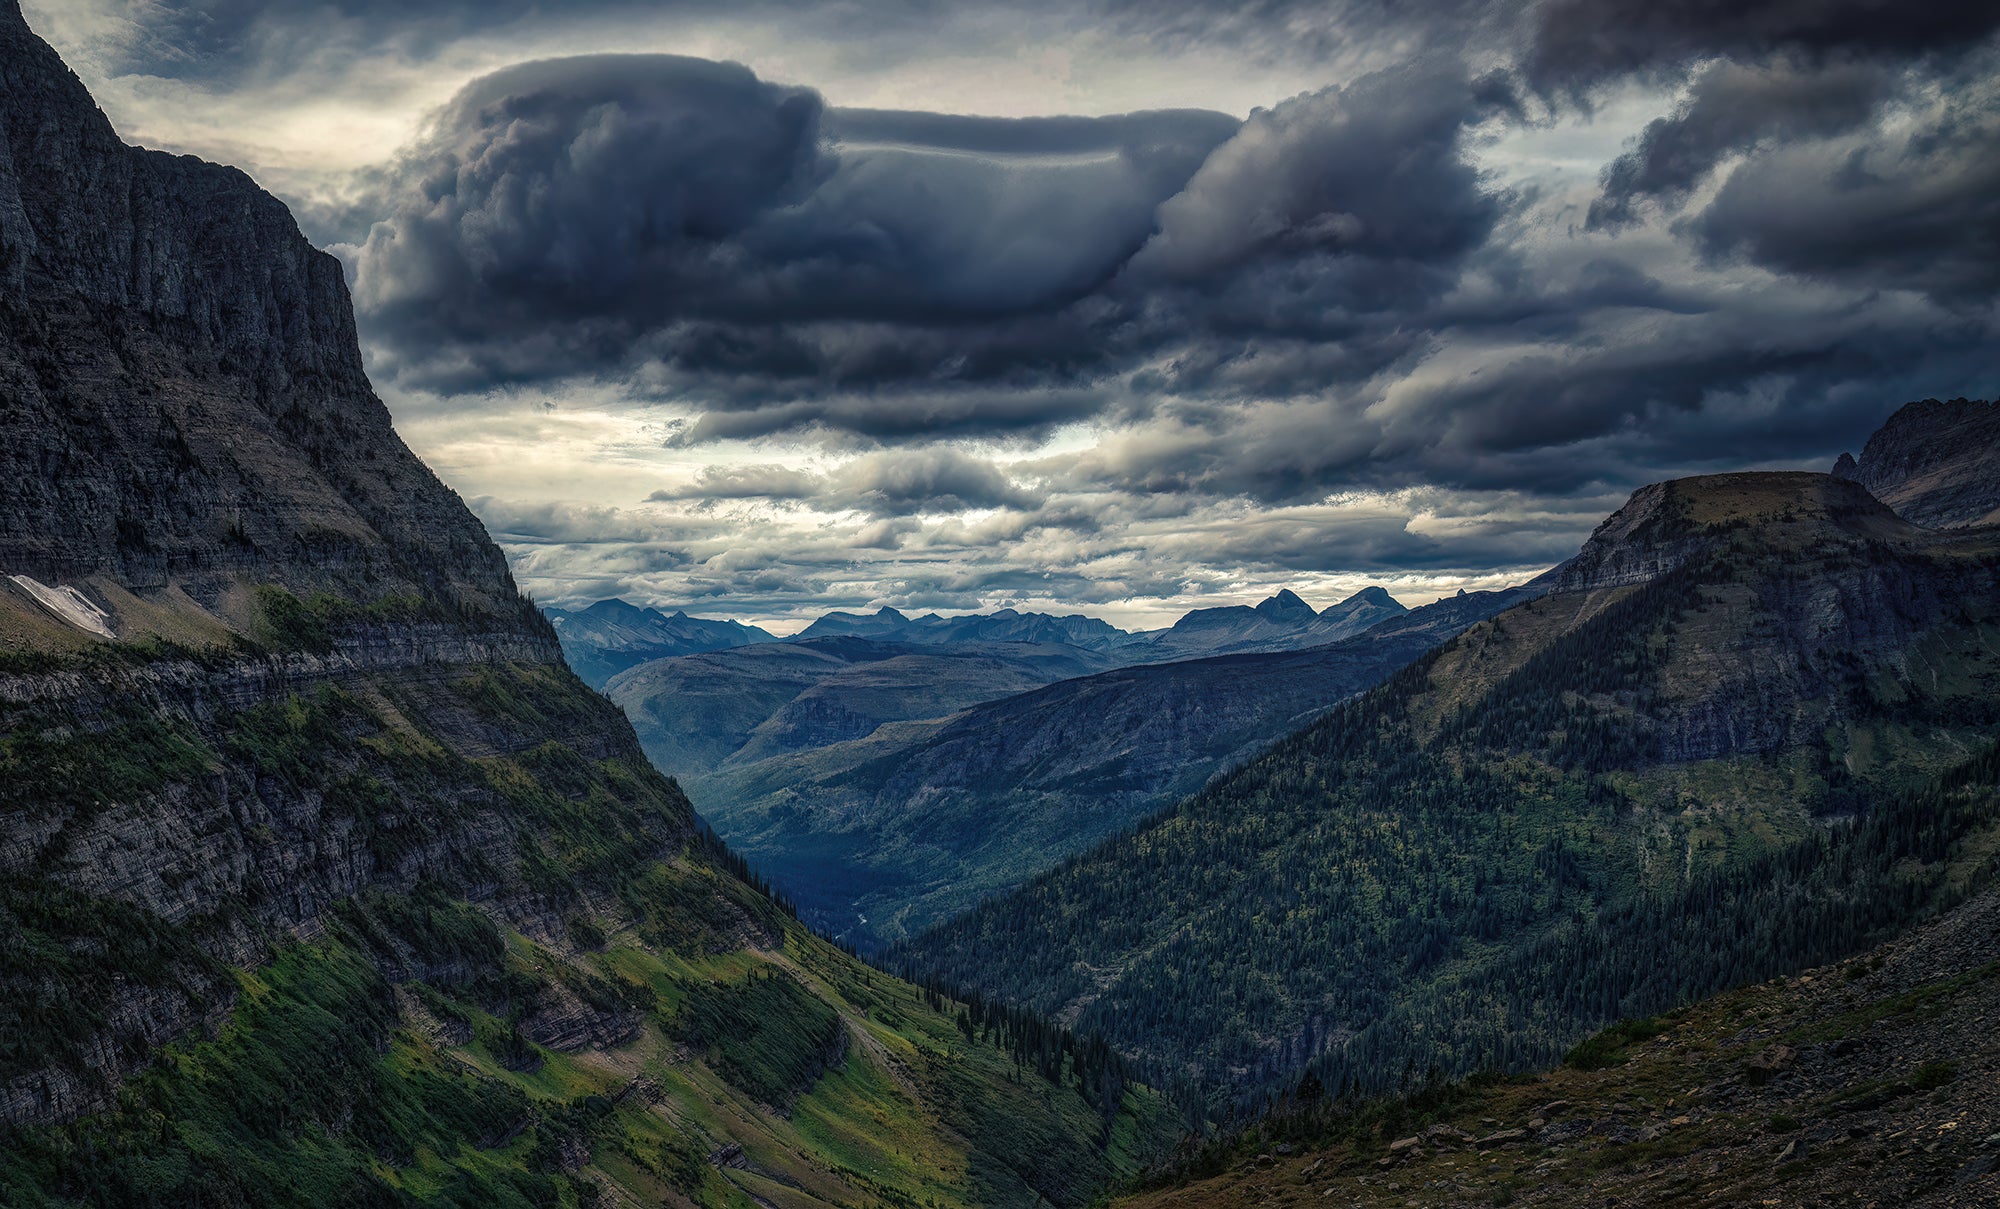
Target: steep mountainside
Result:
[1652, 783]
[1937, 464]
[1876, 1081]
[611, 636]
[183, 395]
[323, 881]
[883, 835]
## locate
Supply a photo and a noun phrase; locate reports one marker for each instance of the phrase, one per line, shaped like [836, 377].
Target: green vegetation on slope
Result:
[1872, 1081]
[1589, 808]
[547, 987]
[331, 1084]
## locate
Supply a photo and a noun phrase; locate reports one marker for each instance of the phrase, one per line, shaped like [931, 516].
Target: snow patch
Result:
[67, 604]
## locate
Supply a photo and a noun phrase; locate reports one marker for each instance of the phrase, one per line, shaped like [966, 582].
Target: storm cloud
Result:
[1118, 306]
[715, 236]
[620, 212]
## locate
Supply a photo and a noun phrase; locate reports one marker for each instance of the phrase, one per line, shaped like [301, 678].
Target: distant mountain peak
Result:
[1374, 594]
[1287, 606]
[892, 614]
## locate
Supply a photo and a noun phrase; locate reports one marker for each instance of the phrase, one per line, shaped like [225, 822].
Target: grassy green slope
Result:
[545, 989]
[330, 1083]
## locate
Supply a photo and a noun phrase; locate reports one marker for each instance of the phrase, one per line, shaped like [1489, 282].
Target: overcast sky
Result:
[1118, 307]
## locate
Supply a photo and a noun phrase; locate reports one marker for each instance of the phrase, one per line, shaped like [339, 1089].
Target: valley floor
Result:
[1874, 1082]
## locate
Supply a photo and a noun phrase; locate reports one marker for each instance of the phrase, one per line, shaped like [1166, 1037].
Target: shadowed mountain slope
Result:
[897, 828]
[1465, 867]
[701, 713]
[1937, 464]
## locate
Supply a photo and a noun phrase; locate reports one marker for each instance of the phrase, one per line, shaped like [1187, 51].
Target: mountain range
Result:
[882, 832]
[1668, 876]
[323, 879]
[607, 637]
[894, 770]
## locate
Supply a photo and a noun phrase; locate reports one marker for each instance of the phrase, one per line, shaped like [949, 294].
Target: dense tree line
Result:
[1035, 1043]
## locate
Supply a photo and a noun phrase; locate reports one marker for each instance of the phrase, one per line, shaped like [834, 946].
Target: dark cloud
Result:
[715, 237]
[1581, 42]
[566, 214]
[1915, 206]
[934, 480]
[903, 415]
[1367, 179]
[745, 483]
[890, 483]
[1734, 108]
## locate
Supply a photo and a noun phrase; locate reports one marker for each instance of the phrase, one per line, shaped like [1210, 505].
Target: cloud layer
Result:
[740, 335]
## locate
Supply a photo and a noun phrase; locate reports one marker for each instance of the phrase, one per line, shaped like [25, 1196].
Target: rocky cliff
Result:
[183, 396]
[1936, 463]
[323, 880]
[308, 674]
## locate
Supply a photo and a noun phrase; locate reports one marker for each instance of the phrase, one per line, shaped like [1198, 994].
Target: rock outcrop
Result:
[1665, 525]
[182, 395]
[1936, 463]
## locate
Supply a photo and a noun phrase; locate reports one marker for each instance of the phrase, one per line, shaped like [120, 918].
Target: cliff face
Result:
[181, 392]
[1936, 463]
[315, 678]
[293, 780]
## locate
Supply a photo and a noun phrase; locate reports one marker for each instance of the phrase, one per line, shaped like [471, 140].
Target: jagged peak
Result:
[891, 614]
[1935, 462]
